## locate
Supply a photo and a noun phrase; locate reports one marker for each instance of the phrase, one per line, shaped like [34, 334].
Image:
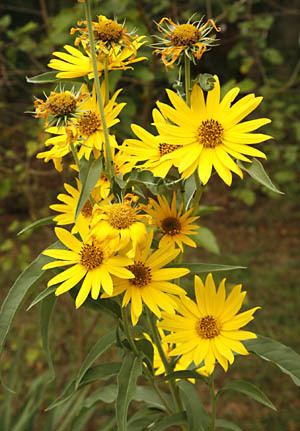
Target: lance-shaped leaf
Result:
[89, 175]
[43, 78]
[130, 371]
[38, 223]
[17, 292]
[284, 357]
[96, 351]
[169, 421]
[206, 239]
[197, 417]
[258, 173]
[248, 389]
[46, 311]
[197, 268]
[41, 296]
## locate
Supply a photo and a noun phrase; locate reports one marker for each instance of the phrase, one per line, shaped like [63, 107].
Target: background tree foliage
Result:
[259, 50]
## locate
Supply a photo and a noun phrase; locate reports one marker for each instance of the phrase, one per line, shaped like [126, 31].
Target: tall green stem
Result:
[187, 79]
[213, 403]
[108, 154]
[167, 365]
[106, 79]
[128, 331]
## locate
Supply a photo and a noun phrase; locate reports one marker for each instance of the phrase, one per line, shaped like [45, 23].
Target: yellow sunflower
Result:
[91, 260]
[158, 364]
[89, 124]
[192, 39]
[209, 330]
[148, 152]
[122, 220]
[75, 64]
[68, 205]
[108, 34]
[151, 283]
[60, 143]
[175, 225]
[211, 133]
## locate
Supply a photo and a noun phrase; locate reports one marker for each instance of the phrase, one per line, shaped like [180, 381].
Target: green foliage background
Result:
[259, 50]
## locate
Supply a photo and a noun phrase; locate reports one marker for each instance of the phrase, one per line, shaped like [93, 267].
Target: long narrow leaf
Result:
[131, 369]
[227, 425]
[38, 223]
[46, 310]
[284, 357]
[169, 421]
[100, 347]
[197, 268]
[197, 417]
[18, 291]
[258, 173]
[88, 177]
[49, 291]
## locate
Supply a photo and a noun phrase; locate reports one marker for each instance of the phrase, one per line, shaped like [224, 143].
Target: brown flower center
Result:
[167, 148]
[207, 327]
[142, 274]
[87, 209]
[89, 123]
[61, 103]
[121, 216]
[210, 133]
[108, 31]
[91, 256]
[185, 34]
[171, 225]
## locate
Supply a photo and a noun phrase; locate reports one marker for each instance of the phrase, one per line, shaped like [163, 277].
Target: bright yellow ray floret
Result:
[91, 260]
[208, 331]
[176, 226]
[209, 133]
[151, 284]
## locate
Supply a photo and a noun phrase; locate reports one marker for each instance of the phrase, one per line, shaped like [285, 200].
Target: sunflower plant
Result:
[130, 227]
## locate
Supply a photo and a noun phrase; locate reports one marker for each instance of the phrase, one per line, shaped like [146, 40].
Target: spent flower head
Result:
[191, 39]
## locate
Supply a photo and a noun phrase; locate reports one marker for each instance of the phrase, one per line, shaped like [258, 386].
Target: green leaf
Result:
[197, 417]
[106, 394]
[89, 175]
[100, 347]
[227, 425]
[99, 372]
[258, 173]
[206, 81]
[147, 395]
[167, 422]
[131, 369]
[142, 419]
[46, 311]
[38, 223]
[197, 268]
[42, 295]
[107, 304]
[17, 292]
[250, 390]
[43, 78]
[185, 375]
[284, 357]
[206, 239]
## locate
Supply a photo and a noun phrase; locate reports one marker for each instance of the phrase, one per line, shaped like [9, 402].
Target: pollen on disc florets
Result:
[91, 256]
[167, 148]
[210, 133]
[142, 274]
[171, 226]
[61, 103]
[121, 216]
[185, 34]
[207, 327]
[89, 123]
[108, 31]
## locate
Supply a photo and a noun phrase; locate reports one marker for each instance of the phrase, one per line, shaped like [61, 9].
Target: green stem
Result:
[150, 377]
[213, 403]
[106, 79]
[167, 365]
[198, 193]
[187, 79]
[108, 154]
[128, 331]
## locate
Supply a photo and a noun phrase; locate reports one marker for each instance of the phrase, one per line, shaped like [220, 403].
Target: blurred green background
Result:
[259, 50]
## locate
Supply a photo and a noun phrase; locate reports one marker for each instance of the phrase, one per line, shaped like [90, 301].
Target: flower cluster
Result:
[124, 237]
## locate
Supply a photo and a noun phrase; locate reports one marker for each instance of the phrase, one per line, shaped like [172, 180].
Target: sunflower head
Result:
[191, 39]
[58, 108]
